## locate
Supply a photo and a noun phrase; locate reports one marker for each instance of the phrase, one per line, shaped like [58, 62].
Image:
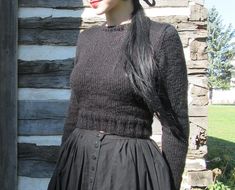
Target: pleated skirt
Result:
[93, 160]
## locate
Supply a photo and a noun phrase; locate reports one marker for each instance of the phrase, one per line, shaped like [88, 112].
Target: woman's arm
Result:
[175, 81]
[71, 117]
[72, 112]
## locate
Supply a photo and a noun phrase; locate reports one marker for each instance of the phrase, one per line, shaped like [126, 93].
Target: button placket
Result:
[94, 158]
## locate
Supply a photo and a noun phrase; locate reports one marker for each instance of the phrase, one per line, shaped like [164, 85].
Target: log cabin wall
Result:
[48, 31]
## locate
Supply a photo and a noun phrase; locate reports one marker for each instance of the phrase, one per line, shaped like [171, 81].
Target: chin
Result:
[102, 7]
[101, 10]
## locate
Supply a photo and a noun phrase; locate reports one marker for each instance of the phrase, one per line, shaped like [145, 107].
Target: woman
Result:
[126, 71]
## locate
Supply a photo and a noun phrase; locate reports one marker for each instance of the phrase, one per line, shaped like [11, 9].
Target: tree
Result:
[220, 50]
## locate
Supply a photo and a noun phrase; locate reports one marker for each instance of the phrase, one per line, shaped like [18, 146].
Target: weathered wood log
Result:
[72, 4]
[69, 37]
[42, 109]
[45, 73]
[51, 23]
[52, 37]
[40, 153]
[45, 66]
[35, 168]
[41, 127]
[47, 80]
[53, 3]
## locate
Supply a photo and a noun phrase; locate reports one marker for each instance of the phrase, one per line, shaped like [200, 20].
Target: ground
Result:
[221, 141]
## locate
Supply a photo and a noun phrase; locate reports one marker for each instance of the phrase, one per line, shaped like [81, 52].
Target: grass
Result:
[221, 141]
[221, 121]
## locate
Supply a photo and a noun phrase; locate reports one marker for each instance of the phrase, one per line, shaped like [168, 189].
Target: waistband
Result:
[115, 124]
[101, 134]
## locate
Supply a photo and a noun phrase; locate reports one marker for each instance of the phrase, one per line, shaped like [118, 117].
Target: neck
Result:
[120, 14]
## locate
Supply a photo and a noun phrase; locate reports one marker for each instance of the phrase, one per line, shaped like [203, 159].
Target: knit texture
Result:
[102, 97]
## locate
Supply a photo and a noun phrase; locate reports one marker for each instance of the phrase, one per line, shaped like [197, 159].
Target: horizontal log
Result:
[88, 14]
[45, 73]
[40, 127]
[29, 151]
[72, 4]
[44, 66]
[47, 80]
[41, 109]
[51, 23]
[53, 3]
[69, 37]
[35, 168]
[52, 37]
[68, 23]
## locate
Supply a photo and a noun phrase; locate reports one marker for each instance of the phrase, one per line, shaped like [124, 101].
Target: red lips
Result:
[94, 3]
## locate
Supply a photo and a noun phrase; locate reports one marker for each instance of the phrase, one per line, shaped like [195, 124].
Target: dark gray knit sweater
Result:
[102, 97]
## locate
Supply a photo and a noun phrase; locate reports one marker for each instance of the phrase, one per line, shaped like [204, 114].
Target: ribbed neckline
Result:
[120, 27]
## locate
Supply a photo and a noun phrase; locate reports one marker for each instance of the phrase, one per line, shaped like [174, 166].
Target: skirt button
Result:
[96, 144]
[93, 157]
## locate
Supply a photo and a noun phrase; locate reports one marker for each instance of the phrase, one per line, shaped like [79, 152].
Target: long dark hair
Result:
[143, 70]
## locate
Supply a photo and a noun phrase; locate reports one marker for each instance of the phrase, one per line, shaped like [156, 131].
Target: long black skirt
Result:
[93, 160]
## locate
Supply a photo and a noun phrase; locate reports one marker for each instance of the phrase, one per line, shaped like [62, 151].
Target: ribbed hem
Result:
[119, 125]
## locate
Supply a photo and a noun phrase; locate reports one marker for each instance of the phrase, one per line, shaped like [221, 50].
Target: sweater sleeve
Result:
[71, 117]
[72, 111]
[175, 81]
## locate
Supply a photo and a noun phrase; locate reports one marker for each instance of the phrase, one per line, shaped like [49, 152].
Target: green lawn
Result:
[221, 141]
[221, 121]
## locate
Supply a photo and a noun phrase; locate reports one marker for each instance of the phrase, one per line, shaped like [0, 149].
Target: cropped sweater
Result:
[102, 97]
